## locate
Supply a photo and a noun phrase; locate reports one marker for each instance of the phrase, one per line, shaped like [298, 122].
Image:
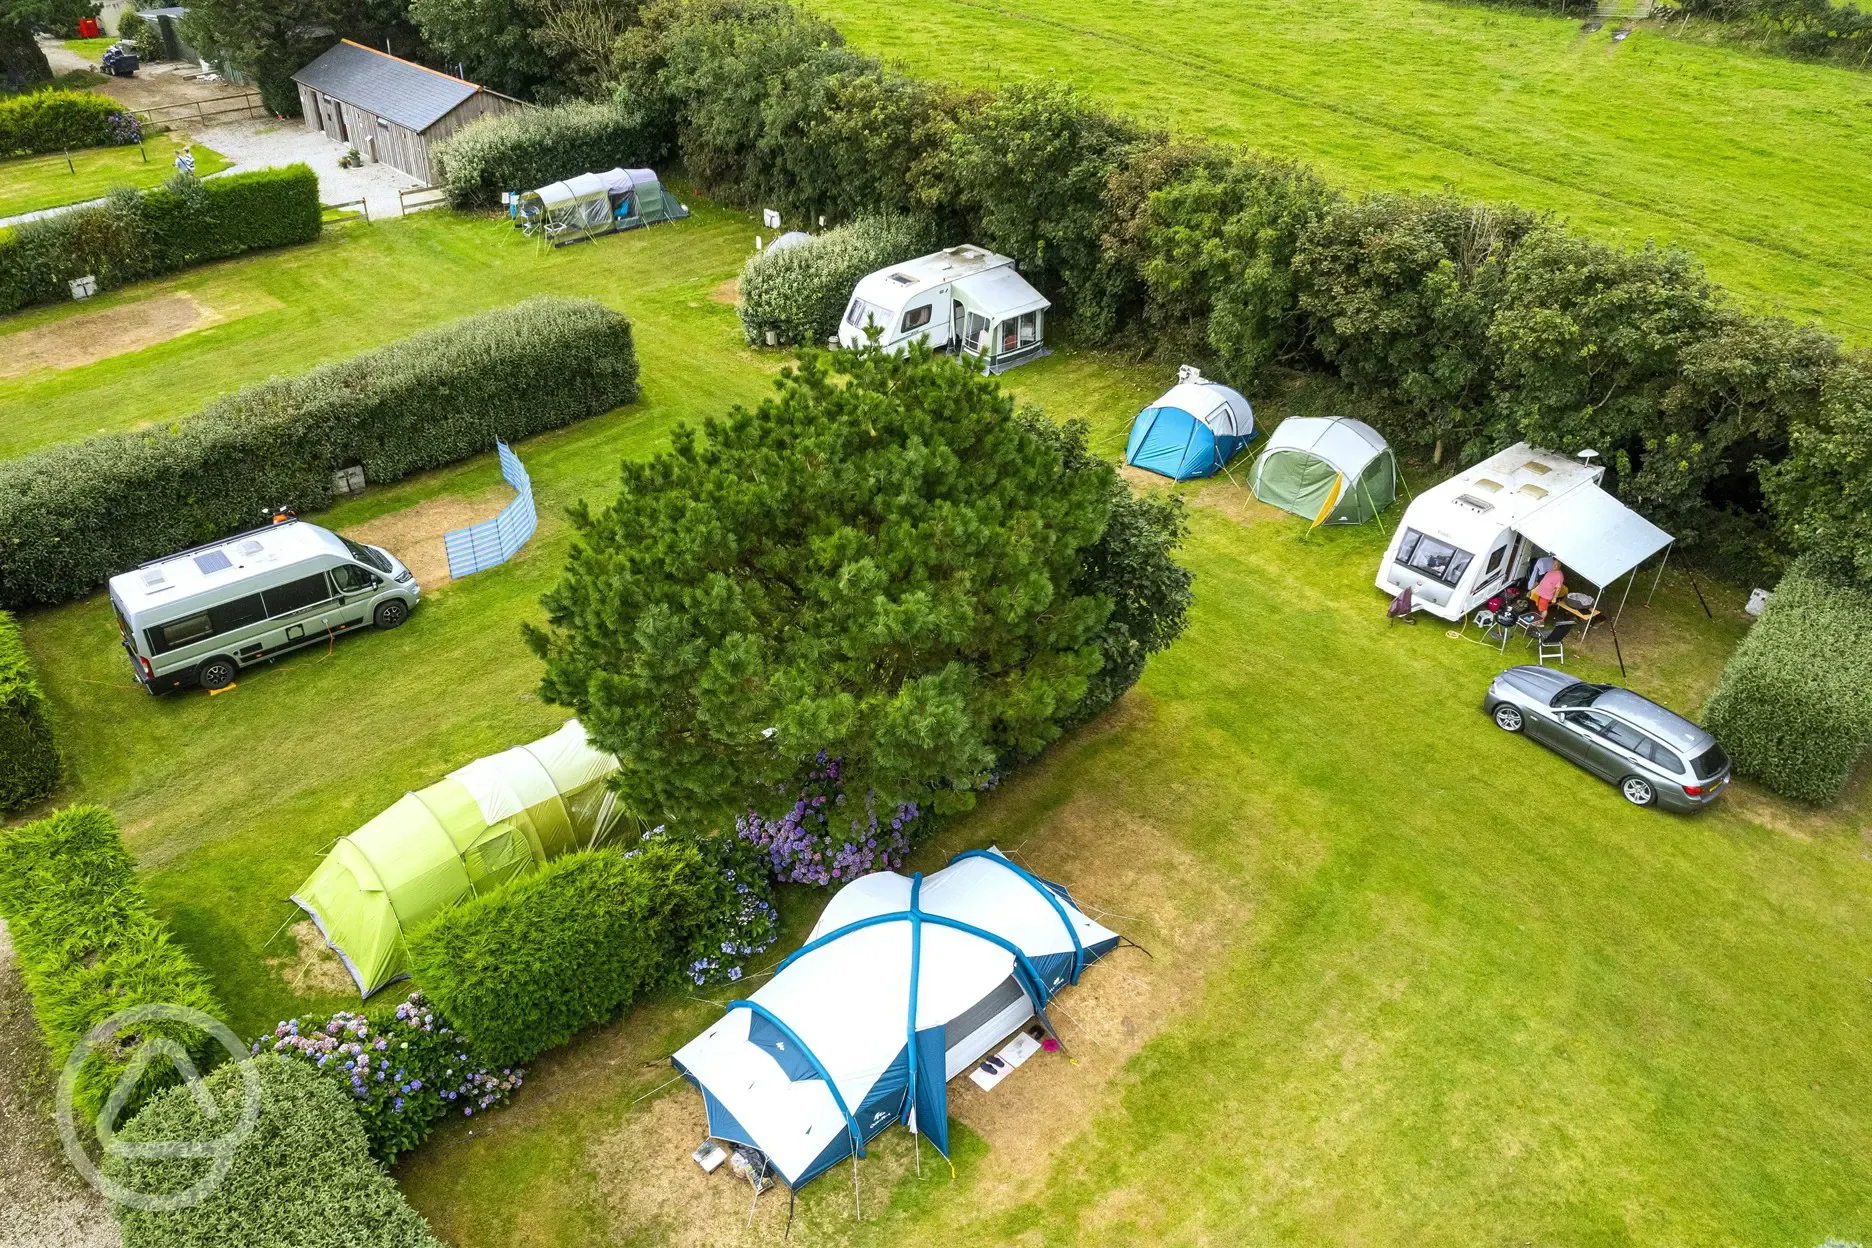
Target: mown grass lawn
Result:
[1465, 994]
[1753, 161]
[34, 182]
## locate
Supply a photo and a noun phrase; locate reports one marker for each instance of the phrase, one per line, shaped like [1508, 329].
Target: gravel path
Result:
[43, 1202]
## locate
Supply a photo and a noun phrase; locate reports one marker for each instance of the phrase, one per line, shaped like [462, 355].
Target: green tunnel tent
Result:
[488, 822]
[1331, 470]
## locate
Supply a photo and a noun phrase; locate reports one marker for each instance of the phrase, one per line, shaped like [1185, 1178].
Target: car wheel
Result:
[1508, 717]
[216, 673]
[1638, 790]
[392, 613]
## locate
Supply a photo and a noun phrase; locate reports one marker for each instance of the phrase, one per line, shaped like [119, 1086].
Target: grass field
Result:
[34, 182]
[1753, 161]
[1416, 981]
[92, 50]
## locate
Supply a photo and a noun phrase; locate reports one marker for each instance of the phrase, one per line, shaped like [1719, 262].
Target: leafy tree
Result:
[21, 61]
[1032, 165]
[270, 40]
[492, 40]
[881, 562]
[1398, 292]
[1821, 493]
[1218, 248]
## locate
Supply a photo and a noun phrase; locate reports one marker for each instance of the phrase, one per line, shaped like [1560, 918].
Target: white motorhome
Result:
[965, 299]
[198, 617]
[1462, 541]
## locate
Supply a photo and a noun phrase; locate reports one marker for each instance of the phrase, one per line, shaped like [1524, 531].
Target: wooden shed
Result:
[390, 109]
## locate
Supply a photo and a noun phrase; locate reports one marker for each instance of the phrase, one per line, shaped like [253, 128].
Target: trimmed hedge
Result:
[525, 968]
[29, 757]
[132, 235]
[1794, 705]
[303, 1176]
[800, 292]
[88, 947]
[526, 149]
[73, 515]
[51, 121]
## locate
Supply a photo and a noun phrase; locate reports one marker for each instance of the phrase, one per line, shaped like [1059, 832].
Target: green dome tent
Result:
[468, 833]
[1331, 470]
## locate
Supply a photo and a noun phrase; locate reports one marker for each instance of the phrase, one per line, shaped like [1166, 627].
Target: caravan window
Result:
[1433, 558]
[178, 633]
[917, 318]
[297, 595]
[854, 315]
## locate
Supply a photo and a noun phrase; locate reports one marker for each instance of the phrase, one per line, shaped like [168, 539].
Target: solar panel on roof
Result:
[213, 561]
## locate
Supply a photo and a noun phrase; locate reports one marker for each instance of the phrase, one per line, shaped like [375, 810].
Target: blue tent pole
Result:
[910, 1036]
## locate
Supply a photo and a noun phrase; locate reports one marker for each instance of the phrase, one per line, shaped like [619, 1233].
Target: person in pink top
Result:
[1548, 589]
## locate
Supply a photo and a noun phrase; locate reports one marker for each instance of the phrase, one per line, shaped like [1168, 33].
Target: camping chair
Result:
[1400, 608]
[1496, 627]
[1550, 642]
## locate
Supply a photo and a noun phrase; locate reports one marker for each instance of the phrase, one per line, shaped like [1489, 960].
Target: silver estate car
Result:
[1655, 756]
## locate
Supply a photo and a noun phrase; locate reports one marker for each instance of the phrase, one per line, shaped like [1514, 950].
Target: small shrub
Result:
[51, 121]
[527, 149]
[800, 292]
[303, 1176]
[88, 947]
[73, 515]
[132, 236]
[29, 757]
[525, 968]
[732, 917]
[1794, 704]
[404, 1069]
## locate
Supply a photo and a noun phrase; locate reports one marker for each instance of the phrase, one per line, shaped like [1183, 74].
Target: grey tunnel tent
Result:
[1331, 470]
[590, 204]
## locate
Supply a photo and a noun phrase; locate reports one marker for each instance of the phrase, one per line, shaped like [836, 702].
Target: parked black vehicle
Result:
[1655, 756]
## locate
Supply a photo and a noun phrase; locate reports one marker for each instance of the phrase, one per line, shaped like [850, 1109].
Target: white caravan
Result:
[966, 299]
[1463, 540]
[198, 617]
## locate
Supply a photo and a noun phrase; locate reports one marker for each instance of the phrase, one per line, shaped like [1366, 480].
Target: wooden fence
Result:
[205, 112]
[416, 198]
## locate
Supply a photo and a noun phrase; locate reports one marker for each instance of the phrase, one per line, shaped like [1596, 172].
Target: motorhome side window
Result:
[222, 618]
[1434, 558]
[295, 595]
[917, 318]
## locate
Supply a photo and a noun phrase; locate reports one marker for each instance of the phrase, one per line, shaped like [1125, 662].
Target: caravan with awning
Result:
[964, 299]
[1465, 540]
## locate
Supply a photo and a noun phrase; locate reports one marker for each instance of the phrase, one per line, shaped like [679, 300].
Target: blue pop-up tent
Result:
[1194, 429]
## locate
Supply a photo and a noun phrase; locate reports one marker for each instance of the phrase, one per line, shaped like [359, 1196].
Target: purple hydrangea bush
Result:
[124, 128]
[734, 918]
[824, 838]
[406, 1068]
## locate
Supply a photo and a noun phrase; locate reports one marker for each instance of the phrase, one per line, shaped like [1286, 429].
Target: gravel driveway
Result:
[261, 144]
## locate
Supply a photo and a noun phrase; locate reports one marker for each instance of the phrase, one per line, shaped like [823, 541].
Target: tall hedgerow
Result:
[529, 148]
[798, 293]
[29, 756]
[303, 1174]
[88, 947]
[136, 235]
[73, 515]
[1794, 705]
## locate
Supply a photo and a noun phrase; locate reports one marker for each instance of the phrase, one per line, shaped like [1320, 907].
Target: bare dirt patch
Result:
[93, 336]
[729, 292]
[312, 966]
[43, 1203]
[415, 534]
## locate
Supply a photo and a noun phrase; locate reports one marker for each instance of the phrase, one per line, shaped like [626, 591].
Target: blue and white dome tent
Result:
[1192, 431]
[906, 983]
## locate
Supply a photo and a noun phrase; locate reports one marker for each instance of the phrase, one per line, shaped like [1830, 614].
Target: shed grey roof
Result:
[376, 82]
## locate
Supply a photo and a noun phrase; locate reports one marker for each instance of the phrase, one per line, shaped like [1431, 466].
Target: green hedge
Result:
[1794, 705]
[526, 149]
[303, 1177]
[52, 121]
[800, 292]
[525, 968]
[29, 757]
[88, 947]
[73, 515]
[136, 235]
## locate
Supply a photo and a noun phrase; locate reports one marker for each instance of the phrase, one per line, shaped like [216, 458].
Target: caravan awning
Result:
[1594, 534]
[1000, 293]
